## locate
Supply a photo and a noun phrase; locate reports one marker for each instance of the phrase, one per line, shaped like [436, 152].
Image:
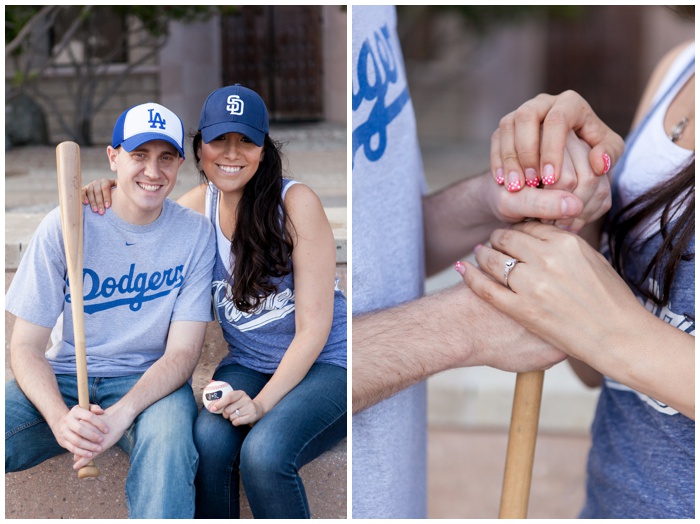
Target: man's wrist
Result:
[54, 418]
[125, 410]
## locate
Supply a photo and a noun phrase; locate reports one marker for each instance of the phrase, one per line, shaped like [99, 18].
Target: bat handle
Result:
[89, 471]
[521, 445]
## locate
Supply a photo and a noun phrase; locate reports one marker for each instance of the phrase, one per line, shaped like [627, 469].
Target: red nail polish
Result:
[531, 179]
[460, 268]
[500, 180]
[606, 163]
[548, 175]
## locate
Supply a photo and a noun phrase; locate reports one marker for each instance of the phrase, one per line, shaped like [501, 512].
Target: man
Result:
[147, 277]
[400, 337]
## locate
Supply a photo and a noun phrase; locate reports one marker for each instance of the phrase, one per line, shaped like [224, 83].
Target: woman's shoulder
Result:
[195, 198]
[298, 195]
[659, 74]
[686, 50]
[304, 207]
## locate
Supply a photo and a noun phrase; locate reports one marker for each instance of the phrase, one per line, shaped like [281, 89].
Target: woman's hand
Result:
[561, 289]
[528, 146]
[98, 194]
[575, 205]
[565, 292]
[239, 408]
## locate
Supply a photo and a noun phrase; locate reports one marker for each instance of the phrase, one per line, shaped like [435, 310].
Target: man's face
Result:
[145, 177]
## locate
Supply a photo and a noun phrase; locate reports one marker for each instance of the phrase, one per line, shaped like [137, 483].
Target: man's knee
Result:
[167, 426]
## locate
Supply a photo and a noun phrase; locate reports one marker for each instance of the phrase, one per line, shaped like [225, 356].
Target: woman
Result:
[282, 317]
[627, 324]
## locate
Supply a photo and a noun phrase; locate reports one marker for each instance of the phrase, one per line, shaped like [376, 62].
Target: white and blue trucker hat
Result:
[146, 122]
[234, 109]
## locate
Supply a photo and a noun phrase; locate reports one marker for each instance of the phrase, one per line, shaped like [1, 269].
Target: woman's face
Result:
[230, 161]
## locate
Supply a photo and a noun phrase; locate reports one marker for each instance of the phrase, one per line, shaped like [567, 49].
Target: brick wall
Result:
[139, 87]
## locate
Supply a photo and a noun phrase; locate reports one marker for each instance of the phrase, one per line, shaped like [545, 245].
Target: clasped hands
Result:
[561, 289]
[556, 143]
[88, 433]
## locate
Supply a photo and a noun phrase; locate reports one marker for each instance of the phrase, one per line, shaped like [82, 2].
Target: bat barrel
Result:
[69, 188]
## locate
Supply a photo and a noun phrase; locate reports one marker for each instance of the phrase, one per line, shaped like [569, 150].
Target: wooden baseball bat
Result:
[521, 445]
[69, 185]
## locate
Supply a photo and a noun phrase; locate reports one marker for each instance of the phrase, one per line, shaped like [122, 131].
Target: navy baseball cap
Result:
[234, 109]
[147, 122]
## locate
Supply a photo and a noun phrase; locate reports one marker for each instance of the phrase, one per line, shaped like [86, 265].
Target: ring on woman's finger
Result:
[510, 264]
[238, 413]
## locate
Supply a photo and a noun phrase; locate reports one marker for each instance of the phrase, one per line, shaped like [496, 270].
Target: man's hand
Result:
[398, 347]
[118, 421]
[82, 432]
[583, 196]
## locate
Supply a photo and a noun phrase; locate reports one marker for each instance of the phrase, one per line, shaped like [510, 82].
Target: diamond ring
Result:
[510, 264]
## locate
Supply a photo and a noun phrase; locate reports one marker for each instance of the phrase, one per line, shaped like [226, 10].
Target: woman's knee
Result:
[261, 456]
[217, 441]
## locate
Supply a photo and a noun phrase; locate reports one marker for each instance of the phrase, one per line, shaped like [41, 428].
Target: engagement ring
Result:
[510, 264]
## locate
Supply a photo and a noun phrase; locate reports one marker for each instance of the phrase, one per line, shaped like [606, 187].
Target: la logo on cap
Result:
[156, 120]
[234, 105]
[147, 122]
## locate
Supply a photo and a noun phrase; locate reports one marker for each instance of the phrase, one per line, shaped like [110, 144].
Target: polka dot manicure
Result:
[514, 186]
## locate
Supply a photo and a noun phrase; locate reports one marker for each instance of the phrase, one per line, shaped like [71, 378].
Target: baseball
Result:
[213, 392]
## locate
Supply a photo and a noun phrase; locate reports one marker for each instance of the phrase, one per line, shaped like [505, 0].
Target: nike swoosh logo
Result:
[130, 244]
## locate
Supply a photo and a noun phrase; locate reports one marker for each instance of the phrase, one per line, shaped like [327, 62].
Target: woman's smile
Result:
[229, 169]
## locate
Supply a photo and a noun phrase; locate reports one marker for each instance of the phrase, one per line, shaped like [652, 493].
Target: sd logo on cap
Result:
[234, 109]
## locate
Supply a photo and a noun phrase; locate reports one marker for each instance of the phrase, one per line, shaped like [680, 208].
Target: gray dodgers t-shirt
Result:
[388, 439]
[137, 280]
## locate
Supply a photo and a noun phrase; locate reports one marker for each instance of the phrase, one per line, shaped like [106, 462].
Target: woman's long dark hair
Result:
[675, 200]
[262, 241]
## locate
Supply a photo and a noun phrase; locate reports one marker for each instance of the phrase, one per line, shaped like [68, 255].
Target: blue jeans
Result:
[163, 458]
[309, 420]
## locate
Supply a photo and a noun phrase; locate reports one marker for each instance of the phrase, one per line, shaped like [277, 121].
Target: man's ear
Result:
[112, 156]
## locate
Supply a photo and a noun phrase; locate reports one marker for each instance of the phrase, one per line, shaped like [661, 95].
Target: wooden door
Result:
[599, 55]
[276, 50]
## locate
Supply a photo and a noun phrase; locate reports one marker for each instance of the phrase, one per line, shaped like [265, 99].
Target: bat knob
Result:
[88, 471]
